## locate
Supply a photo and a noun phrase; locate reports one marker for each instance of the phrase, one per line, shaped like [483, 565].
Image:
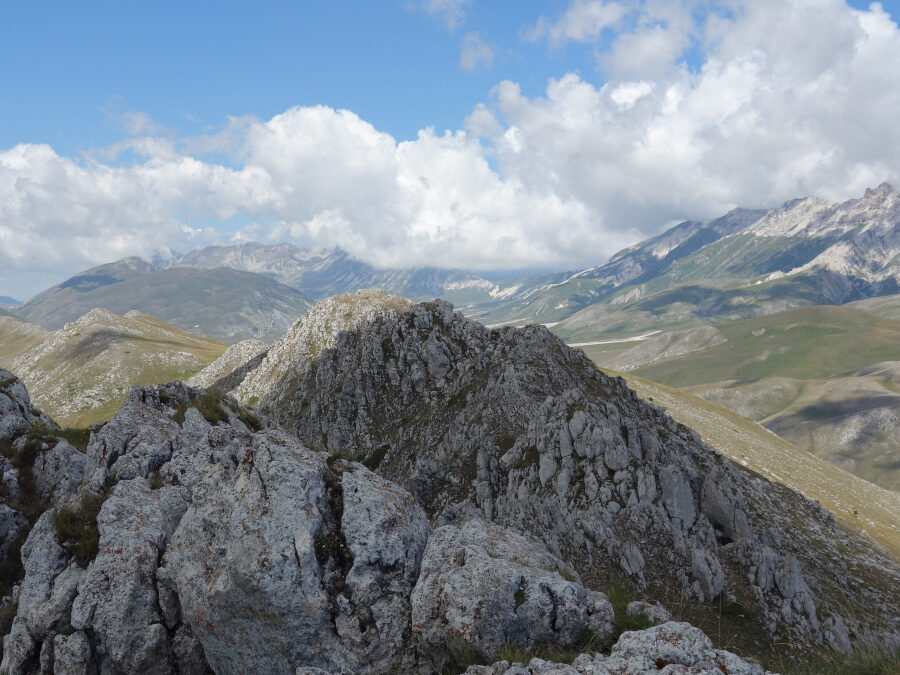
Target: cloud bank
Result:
[789, 99]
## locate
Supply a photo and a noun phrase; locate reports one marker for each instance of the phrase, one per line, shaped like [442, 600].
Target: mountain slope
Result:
[513, 426]
[17, 337]
[81, 373]
[810, 342]
[221, 303]
[888, 305]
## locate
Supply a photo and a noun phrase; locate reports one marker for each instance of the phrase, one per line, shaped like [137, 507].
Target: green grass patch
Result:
[76, 528]
[210, 406]
[79, 438]
[866, 660]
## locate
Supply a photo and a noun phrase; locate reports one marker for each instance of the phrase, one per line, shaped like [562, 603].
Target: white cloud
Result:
[451, 12]
[475, 52]
[562, 179]
[583, 21]
[627, 94]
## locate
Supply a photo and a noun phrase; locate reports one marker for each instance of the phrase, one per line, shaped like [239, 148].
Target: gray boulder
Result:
[483, 586]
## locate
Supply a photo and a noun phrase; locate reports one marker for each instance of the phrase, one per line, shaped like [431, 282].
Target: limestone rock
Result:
[483, 586]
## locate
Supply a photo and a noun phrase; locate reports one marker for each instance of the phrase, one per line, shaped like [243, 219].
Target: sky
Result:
[479, 134]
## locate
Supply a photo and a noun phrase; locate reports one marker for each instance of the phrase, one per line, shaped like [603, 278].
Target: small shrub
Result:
[628, 622]
[156, 481]
[209, 405]
[735, 610]
[76, 528]
[7, 614]
[252, 401]
[178, 415]
[520, 597]
[530, 457]
[251, 421]
[11, 569]
[329, 545]
[336, 456]
[377, 457]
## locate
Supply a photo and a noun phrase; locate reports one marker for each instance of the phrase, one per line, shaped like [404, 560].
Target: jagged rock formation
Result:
[313, 333]
[224, 549]
[37, 468]
[504, 485]
[525, 431]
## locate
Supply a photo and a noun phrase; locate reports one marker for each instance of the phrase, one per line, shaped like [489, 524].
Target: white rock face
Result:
[253, 555]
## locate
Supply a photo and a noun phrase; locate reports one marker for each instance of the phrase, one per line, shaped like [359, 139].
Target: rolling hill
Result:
[81, 373]
[224, 304]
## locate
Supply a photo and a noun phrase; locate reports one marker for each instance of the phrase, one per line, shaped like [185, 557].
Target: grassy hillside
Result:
[805, 343]
[80, 374]
[887, 306]
[223, 304]
[17, 337]
[856, 504]
[852, 420]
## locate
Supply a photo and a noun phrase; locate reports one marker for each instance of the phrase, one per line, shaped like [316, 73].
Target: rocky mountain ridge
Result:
[413, 492]
[515, 427]
[225, 546]
[745, 263]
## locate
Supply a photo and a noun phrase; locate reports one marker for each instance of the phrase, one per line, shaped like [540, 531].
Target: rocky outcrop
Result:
[16, 412]
[515, 425]
[672, 648]
[221, 549]
[313, 333]
[484, 587]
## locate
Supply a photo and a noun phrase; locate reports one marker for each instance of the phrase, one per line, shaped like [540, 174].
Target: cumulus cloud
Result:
[475, 52]
[451, 12]
[583, 21]
[791, 99]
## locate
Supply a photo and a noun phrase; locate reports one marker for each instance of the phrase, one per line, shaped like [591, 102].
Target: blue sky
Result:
[67, 66]
[576, 126]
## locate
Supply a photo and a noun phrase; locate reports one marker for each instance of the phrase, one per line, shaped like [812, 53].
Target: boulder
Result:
[483, 587]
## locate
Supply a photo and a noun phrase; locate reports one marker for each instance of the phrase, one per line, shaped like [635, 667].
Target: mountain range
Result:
[746, 263]
[675, 296]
